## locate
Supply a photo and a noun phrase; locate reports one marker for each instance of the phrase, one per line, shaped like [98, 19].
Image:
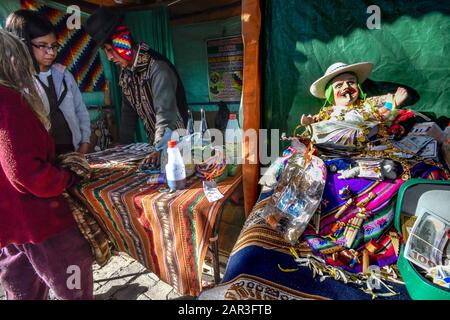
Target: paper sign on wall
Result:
[225, 65]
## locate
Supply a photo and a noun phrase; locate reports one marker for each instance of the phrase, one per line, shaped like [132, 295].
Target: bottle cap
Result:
[232, 116]
[172, 143]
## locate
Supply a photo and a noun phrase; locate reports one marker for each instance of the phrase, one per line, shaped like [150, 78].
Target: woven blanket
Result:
[77, 48]
[167, 232]
[261, 266]
[250, 287]
[261, 261]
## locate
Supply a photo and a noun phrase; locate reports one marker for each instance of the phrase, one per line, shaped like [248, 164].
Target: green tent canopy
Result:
[302, 38]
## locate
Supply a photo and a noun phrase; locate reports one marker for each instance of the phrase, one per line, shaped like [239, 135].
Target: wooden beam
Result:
[213, 14]
[251, 98]
[110, 3]
[84, 5]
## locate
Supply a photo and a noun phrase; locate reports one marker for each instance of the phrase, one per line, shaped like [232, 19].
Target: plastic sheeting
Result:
[302, 38]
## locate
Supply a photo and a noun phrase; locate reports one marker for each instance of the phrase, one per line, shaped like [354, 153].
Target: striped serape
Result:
[378, 227]
[167, 232]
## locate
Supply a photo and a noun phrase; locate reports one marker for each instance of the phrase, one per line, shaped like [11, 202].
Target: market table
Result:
[169, 233]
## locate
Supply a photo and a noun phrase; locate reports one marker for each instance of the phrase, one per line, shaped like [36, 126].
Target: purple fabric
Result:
[333, 185]
[27, 271]
[376, 227]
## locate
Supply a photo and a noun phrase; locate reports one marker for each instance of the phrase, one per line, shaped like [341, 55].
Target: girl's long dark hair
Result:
[28, 25]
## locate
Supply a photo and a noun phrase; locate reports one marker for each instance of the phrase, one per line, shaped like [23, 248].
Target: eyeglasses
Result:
[43, 47]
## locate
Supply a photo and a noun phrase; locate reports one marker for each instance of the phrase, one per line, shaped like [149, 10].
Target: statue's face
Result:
[345, 89]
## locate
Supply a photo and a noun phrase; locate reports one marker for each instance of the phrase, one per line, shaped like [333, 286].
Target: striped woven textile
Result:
[250, 287]
[261, 264]
[77, 49]
[167, 232]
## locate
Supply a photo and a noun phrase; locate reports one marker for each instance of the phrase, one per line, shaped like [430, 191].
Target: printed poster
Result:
[225, 65]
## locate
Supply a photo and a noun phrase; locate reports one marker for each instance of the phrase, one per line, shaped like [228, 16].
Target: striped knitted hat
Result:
[122, 43]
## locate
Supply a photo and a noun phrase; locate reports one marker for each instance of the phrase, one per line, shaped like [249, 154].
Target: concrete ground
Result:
[123, 278]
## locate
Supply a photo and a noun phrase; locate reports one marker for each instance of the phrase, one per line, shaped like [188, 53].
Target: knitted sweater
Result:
[31, 204]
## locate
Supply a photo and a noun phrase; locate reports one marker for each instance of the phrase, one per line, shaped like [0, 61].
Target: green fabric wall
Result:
[191, 60]
[302, 38]
[6, 7]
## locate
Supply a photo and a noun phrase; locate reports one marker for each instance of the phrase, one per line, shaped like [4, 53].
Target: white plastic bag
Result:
[296, 197]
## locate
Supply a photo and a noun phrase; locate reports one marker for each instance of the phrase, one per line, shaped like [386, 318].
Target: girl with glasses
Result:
[70, 122]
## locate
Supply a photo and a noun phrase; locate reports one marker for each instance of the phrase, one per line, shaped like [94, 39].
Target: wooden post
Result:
[251, 97]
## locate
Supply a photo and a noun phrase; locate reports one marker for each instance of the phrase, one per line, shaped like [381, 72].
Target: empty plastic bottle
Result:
[233, 140]
[204, 131]
[190, 124]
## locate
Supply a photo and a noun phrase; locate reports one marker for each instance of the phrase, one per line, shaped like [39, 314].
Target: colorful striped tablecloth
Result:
[167, 232]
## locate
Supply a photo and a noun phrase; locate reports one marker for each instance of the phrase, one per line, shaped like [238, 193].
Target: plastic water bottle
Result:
[175, 169]
[204, 132]
[190, 124]
[233, 140]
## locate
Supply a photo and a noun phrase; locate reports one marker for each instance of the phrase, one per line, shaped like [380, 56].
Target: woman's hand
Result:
[83, 148]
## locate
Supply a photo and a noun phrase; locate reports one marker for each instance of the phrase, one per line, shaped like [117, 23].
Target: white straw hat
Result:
[362, 71]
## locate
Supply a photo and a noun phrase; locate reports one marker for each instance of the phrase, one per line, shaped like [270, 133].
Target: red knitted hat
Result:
[121, 42]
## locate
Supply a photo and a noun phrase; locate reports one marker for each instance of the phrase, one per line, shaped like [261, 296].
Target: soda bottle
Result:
[446, 146]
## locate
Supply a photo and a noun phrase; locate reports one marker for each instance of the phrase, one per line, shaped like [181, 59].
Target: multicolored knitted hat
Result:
[122, 43]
